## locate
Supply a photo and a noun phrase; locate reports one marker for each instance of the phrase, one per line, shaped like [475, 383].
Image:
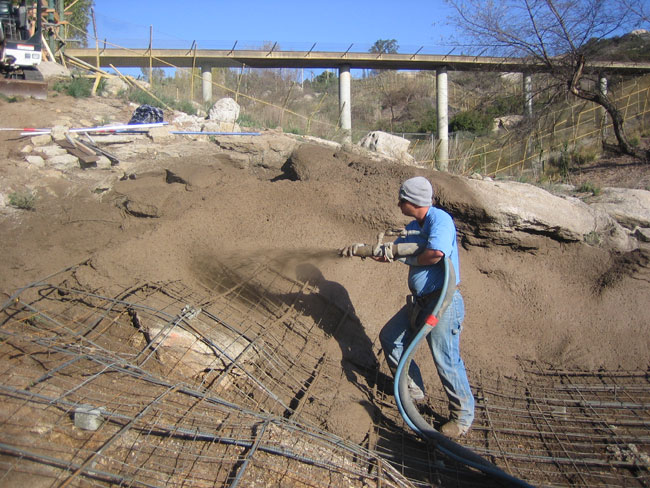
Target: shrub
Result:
[9, 99]
[246, 120]
[582, 157]
[23, 201]
[161, 101]
[470, 121]
[588, 187]
[75, 87]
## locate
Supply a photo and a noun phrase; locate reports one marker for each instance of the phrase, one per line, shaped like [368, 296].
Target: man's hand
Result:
[383, 253]
[351, 250]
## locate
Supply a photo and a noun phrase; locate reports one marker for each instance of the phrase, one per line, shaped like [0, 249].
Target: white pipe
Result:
[102, 128]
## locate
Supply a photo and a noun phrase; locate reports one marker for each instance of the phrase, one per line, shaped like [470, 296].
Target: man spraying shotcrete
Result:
[435, 233]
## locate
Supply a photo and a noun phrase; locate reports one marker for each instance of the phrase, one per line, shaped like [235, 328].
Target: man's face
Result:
[406, 207]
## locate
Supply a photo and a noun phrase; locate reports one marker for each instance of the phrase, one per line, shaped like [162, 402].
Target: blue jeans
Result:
[444, 342]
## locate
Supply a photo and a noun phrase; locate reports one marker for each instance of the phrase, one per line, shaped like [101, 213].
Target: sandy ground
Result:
[568, 305]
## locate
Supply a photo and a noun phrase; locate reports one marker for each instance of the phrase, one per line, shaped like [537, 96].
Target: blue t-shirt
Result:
[438, 232]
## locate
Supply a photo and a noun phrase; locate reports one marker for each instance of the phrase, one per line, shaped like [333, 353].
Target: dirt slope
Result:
[568, 305]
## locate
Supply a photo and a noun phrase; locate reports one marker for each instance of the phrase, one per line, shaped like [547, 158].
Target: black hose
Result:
[409, 411]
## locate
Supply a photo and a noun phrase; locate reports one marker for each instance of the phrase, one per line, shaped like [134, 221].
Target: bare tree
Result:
[553, 33]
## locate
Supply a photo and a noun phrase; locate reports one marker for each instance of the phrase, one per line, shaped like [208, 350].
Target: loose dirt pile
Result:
[568, 305]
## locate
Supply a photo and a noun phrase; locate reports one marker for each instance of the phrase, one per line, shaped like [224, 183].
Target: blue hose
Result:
[409, 411]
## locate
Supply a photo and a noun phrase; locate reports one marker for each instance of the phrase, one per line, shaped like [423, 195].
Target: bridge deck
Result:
[185, 58]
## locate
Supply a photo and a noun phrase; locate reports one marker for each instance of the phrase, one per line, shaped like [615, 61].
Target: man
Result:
[437, 238]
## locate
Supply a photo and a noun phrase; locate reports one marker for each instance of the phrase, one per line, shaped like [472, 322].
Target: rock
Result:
[224, 110]
[41, 140]
[58, 133]
[630, 208]
[113, 86]
[509, 211]
[309, 161]
[50, 70]
[216, 126]
[506, 122]
[266, 151]
[51, 151]
[388, 145]
[34, 160]
[186, 122]
[185, 350]
[87, 417]
[118, 139]
[64, 162]
[104, 163]
[642, 234]
[160, 134]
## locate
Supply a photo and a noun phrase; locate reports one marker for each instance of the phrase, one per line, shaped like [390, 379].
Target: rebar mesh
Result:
[233, 382]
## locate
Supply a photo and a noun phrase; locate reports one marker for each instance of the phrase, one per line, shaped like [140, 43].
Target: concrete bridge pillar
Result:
[345, 103]
[602, 87]
[206, 83]
[603, 84]
[443, 119]
[528, 94]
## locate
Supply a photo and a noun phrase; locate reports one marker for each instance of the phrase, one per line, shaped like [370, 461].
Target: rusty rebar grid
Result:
[257, 408]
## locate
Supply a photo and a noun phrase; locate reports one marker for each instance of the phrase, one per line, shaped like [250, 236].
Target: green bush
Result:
[164, 102]
[185, 106]
[9, 99]
[75, 87]
[588, 187]
[22, 200]
[470, 121]
[505, 105]
[78, 87]
[246, 120]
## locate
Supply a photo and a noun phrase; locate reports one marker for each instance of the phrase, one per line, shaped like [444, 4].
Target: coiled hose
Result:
[409, 411]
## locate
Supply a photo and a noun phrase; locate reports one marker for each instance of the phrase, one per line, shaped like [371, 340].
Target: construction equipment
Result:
[20, 50]
[388, 250]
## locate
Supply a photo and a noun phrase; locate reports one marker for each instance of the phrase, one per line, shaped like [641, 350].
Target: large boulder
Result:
[224, 110]
[51, 70]
[192, 353]
[515, 213]
[113, 86]
[269, 151]
[388, 145]
[630, 208]
[506, 122]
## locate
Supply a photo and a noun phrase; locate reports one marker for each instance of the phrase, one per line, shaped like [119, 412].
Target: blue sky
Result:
[295, 25]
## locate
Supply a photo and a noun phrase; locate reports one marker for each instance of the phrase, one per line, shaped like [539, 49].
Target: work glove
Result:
[384, 251]
[351, 250]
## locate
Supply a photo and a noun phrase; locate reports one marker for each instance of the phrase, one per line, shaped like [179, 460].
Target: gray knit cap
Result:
[418, 191]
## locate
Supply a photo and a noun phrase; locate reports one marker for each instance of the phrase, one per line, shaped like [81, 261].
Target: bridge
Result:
[206, 59]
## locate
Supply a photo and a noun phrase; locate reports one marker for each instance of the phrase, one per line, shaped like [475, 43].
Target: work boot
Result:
[453, 429]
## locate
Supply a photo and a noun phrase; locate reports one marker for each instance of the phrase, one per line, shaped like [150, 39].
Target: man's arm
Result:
[427, 258]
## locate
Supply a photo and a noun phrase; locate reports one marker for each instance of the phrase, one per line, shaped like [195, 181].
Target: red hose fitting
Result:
[431, 320]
